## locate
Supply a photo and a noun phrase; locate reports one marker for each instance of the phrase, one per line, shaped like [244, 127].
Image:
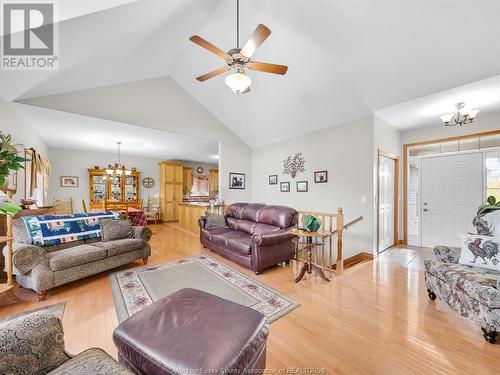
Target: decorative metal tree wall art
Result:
[294, 164]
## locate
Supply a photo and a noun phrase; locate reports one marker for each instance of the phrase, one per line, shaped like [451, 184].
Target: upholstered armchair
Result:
[472, 292]
[34, 344]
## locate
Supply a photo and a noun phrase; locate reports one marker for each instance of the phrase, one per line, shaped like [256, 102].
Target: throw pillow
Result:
[214, 221]
[480, 251]
[489, 224]
[113, 230]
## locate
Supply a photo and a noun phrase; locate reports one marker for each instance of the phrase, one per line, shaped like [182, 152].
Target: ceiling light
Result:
[118, 169]
[461, 117]
[447, 117]
[238, 82]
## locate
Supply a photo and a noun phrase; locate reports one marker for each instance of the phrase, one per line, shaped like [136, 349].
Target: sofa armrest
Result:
[34, 344]
[144, 233]
[202, 221]
[25, 256]
[272, 238]
[447, 254]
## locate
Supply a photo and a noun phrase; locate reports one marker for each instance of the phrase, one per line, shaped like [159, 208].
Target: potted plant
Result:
[7, 207]
[9, 159]
[311, 223]
[490, 205]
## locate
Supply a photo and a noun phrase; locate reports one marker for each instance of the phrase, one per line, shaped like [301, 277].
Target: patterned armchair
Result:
[470, 291]
[34, 344]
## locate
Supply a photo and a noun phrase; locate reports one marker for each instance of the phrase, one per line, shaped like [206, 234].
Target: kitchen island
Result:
[190, 213]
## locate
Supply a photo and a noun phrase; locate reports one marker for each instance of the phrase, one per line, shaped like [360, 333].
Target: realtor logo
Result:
[29, 36]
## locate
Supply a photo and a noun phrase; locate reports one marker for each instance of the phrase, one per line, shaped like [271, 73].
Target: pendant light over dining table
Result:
[118, 169]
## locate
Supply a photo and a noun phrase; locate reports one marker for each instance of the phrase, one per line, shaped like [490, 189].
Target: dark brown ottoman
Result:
[193, 332]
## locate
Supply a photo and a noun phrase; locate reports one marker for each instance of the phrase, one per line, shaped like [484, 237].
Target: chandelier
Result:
[118, 169]
[461, 117]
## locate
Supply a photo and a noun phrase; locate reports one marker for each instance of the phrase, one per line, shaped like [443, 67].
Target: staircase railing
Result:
[331, 224]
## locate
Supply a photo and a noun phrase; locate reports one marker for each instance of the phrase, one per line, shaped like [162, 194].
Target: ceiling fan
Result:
[239, 59]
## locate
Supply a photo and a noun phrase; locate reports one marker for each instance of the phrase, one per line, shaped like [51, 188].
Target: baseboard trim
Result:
[356, 259]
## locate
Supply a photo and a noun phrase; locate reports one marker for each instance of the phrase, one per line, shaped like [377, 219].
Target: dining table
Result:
[136, 216]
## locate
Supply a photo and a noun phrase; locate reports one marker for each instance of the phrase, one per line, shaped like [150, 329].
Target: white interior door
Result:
[386, 198]
[452, 190]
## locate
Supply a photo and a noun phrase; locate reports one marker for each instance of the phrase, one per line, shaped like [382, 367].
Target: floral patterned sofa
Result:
[472, 292]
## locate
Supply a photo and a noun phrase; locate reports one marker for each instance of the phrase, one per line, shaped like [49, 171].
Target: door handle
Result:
[425, 210]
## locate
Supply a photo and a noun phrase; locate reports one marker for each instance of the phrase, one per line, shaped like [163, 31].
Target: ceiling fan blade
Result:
[207, 45]
[268, 68]
[260, 34]
[213, 73]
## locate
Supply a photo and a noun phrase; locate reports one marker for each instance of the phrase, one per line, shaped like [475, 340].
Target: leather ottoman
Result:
[193, 332]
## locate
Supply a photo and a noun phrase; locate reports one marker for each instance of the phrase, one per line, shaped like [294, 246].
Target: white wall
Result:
[11, 122]
[161, 103]
[76, 163]
[346, 151]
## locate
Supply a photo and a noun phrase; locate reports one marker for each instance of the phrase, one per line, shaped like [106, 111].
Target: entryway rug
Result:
[139, 287]
[57, 310]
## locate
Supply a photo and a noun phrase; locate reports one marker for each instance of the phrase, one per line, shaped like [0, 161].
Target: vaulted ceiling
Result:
[346, 58]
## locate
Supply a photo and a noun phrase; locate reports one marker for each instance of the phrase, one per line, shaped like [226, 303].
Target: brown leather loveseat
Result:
[257, 236]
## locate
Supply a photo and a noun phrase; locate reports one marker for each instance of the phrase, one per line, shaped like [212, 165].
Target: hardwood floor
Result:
[374, 319]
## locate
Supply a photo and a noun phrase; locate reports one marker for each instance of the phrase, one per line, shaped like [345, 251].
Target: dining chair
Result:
[63, 206]
[152, 210]
[84, 205]
[117, 206]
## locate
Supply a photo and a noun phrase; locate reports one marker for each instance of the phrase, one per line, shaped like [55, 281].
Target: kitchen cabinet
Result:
[214, 180]
[187, 180]
[171, 186]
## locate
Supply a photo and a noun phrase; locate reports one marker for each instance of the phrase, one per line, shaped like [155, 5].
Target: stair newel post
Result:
[340, 228]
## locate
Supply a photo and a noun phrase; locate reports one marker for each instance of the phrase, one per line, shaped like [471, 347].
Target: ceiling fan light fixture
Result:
[238, 82]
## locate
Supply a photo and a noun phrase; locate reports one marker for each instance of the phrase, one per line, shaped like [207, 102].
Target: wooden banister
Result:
[332, 224]
[350, 224]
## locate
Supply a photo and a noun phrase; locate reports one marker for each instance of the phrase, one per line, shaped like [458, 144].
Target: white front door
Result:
[452, 190]
[386, 198]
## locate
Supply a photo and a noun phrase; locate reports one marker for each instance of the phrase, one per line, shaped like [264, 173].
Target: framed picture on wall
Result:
[273, 179]
[285, 187]
[69, 181]
[236, 180]
[302, 186]
[320, 177]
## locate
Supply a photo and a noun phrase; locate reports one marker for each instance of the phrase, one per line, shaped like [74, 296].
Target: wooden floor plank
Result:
[374, 319]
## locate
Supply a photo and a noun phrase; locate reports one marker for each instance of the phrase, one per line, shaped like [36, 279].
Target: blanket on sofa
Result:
[50, 230]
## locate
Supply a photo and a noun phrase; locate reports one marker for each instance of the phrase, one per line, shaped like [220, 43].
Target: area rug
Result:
[139, 287]
[57, 310]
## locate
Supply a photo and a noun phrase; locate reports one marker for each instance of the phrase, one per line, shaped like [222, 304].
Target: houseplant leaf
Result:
[9, 208]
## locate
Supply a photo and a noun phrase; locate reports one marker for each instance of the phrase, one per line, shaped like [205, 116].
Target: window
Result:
[200, 187]
[493, 174]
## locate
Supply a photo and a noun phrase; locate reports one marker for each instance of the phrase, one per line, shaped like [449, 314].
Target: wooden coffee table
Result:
[306, 238]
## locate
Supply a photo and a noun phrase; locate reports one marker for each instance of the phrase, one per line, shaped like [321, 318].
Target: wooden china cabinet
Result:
[119, 189]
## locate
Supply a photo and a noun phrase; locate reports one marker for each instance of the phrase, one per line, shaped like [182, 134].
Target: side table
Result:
[307, 241]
